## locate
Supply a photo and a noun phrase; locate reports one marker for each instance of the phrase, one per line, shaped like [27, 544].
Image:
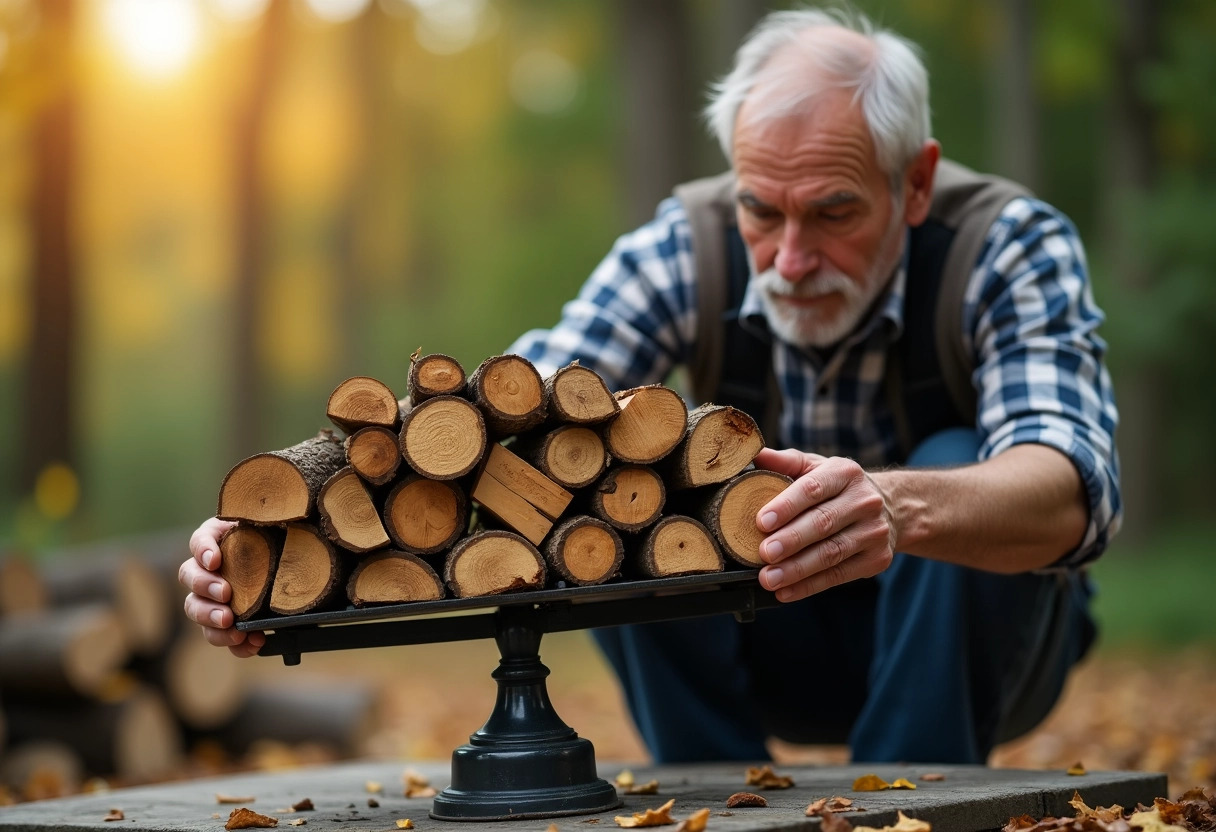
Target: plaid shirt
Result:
[1029, 319]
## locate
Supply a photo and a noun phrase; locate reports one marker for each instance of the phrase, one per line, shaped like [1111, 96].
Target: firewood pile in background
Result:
[501, 481]
[103, 681]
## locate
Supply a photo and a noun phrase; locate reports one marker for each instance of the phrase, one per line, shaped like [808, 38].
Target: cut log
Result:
[310, 572]
[249, 556]
[425, 516]
[139, 597]
[392, 577]
[435, 375]
[339, 714]
[67, 652]
[730, 513]
[349, 516]
[374, 453]
[518, 495]
[718, 443]
[510, 393]
[651, 423]
[678, 545]
[133, 736]
[42, 770]
[493, 562]
[571, 455]
[577, 395]
[629, 497]
[443, 438]
[21, 587]
[204, 687]
[584, 550]
[360, 402]
[280, 486]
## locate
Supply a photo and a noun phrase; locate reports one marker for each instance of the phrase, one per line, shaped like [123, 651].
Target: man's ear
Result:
[918, 183]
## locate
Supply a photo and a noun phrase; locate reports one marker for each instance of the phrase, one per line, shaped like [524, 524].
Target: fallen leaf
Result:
[726, 814]
[405, 823]
[1019, 823]
[765, 778]
[215, 815]
[903, 783]
[902, 824]
[740, 800]
[115, 814]
[413, 778]
[590, 820]
[95, 785]
[552, 828]
[625, 778]
[420, 791]
[373, 787]
[1151, 821]
[1106, 815]
[372, 803]
[817, 807]
[304, 805]
[1076, 769]
[933, 777]
[870, 783]
[696, 822]
[825, 805]
[832, 822]
[248, 819]
[651, 817]
[646, 788]
[227, 798]
[298, 822]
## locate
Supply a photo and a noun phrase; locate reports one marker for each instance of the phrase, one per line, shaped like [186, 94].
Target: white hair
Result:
[889, 81]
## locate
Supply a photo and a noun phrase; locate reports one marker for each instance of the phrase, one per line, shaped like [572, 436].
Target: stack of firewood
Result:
[496, 482]
[101, 675]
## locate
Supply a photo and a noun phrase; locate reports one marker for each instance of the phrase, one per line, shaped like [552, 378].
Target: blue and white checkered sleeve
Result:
[635, 317]
[1039, 360]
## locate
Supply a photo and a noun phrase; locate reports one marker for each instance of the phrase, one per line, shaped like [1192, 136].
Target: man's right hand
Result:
[207, 603]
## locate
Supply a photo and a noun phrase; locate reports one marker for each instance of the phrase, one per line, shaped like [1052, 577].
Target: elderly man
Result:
[847, 276]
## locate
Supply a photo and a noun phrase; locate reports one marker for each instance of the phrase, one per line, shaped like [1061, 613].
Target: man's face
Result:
[818, 217]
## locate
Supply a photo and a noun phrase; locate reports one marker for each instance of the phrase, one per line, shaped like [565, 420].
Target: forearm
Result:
[1017, 511]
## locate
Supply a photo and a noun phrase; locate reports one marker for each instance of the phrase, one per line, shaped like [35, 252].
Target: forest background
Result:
[212, 211]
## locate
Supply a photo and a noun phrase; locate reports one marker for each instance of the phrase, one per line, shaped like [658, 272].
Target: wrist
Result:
[907, 514]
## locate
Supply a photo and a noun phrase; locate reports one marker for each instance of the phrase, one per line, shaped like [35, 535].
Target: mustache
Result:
[826, 282]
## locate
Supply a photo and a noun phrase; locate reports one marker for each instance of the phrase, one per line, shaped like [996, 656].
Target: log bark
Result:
[572, 456]
[584, 550]
[21, 586]
[42, 770]
[718, 443]
[425, 516]
[361, 402]
[518, 495]
[280, 486]
[374, 453]
[510, 393]
[392, 577]
[443, 438]
[249, 556]
[730, 510]
[435, 375]
[310, 574]
[651, 423]
[138, 595]
[629, 497]
[491, 563]
[64, 653]
[349, 516]
[134, 737]
[339, 714]
[577, 395]
[678, 545]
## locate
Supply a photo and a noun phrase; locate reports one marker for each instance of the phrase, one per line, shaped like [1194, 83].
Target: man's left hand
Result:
[830, 526]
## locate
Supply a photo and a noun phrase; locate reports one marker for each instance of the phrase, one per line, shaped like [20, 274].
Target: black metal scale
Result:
[525, 762]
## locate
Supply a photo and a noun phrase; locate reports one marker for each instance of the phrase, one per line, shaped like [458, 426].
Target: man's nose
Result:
[797, 254]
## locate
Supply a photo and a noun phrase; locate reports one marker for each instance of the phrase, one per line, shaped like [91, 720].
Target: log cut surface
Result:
[584, 550]
[361, 401]
[309, 572]
[678, 545]
[280, 486]
[391, 577]
[578, 395]
[374, 453]
[435, 375]
[719, 442]
[572, 456]
[510, 392]
[425, 516]
[249, 556]
[651, 423]
[348, 515]
[443, 438]
[730, 513]
[493, 562]
[630, 497]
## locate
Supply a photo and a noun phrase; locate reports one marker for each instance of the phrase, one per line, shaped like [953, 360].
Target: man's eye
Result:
[836, 216]
[761, 213]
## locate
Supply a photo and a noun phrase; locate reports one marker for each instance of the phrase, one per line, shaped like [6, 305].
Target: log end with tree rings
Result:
[374, 453]
[425, 516]
[493, 562]
[578, 395]
[730, 512]
[391, 577]
[435, 375]
[651, 423]
[443, 438]
[584, 550]
[630, 497]
[280, 486]
[249, 556]
[349, 516]
[309, 570]
[679, 545]
[361, 401]
[510, 392]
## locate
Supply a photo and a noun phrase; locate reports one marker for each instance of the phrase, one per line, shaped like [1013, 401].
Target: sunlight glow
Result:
[240, 11]
[157, 38]
[337, 11]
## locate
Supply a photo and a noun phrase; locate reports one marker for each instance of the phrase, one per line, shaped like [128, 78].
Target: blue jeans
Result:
[926, 662]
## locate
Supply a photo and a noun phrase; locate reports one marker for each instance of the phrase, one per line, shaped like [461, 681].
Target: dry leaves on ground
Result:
[248, 819]
[745, 800]
[870, 783]
[765, 778]
[696, 822]
[651, 817]
[645, 788]
[902, 824]
[1194, 811]
[115, 814]
[826, 805]
[903, 783]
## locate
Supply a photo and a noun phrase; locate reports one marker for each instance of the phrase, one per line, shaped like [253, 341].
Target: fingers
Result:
[790, 462]
[800, 577]
[205, 542]
[204, 584]
[250, 646]
[826, 480]
[208, 613]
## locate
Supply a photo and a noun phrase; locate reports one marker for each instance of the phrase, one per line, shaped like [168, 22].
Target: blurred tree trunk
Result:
[49, 399]
[660, 101]
[247, 399]
[1015, 112]
[1131, 172]
[730, 21]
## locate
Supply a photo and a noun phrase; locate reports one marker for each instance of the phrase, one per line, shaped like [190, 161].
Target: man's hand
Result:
[832, 525]
[207, 603]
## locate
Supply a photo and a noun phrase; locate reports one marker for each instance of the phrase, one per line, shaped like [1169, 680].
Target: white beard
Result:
[813, 326]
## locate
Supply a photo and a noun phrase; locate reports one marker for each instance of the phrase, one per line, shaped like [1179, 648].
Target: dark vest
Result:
[928, 376]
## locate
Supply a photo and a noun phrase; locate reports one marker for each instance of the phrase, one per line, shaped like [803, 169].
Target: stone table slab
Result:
[970, 799]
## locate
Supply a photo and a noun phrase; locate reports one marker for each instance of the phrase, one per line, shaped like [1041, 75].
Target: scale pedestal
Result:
[525, 762]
